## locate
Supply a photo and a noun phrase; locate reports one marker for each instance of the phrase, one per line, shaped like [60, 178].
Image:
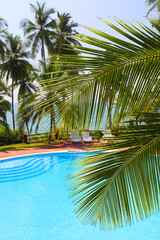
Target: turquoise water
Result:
[35, 205]
[44, 123]
[43, 128]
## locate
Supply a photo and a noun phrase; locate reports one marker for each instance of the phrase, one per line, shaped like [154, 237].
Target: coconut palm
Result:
[28, 86]
[28, 83]
[15, 65]
[31, 110]
[120, 187]
[4, 106]
[154, 3]
[3, 27]
[25, 108]
[38, 33]
[63, 34]
[32, 113]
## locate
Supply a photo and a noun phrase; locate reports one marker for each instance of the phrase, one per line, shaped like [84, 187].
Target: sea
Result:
[44, 126]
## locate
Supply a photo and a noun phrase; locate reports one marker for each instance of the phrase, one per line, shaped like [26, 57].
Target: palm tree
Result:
[38, 33]
[28, 83]
[4, 106]
[3, 27]
[156, 4]
[63, 34]
[119, 187]
[25, 111]
[15, 65]
[32, 112]
[27, 87]
[31, 109]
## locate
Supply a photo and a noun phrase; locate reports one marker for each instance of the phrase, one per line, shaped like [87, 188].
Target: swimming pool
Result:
[35, 205]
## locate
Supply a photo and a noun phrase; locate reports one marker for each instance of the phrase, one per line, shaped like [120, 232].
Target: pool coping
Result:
[42, 153]
[55, 152]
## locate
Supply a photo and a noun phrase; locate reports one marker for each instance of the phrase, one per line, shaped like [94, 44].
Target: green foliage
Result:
[117, 69]
[14, 65]
[63, 136]
[62, 36]
[36, 138]
[38, 32]
[96, 133]
[114, 188]
[154, 3]
[9, 136]
[3, 28]
[4, 106]
[120, 187]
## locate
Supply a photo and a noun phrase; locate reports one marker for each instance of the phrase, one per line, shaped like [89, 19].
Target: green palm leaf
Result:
[15, 64]
[120, 70]
[155, 4]
[120, 187]
[4, 106]
[38, 33]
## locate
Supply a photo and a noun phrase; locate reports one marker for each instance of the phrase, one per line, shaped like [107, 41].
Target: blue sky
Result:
[85, 12]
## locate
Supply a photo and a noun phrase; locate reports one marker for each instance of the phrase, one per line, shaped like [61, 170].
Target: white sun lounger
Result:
[86, 137]
[107, 134]
[75, 138]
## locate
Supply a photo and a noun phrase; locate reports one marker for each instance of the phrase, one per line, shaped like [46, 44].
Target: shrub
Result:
[96, 133]
[10, 137]
[63, 136]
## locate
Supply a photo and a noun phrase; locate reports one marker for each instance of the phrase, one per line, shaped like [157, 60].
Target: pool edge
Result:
[33, 154]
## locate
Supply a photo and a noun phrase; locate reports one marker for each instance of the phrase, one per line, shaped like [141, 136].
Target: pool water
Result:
[35, 205]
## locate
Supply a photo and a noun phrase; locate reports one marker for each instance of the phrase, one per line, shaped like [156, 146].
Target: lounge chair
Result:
[75, 138]
[86, 137]
[107, 134]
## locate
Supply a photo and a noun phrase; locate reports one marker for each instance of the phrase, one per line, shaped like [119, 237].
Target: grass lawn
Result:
[24, 145]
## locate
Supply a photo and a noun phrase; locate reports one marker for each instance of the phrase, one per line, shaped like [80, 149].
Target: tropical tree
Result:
[28, 83]
[3, 28]
[24, 114]
[63, 33]
[154, 3]
[31, 110]
[4, 106]
[27, 87]
[15, 64]
[38, 32]
[115, 188]
[32, 113]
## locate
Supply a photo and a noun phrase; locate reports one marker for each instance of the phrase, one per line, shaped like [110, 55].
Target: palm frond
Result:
[120, 187]
[116, 69]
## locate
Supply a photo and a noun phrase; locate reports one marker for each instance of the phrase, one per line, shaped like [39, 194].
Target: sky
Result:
[84, 12]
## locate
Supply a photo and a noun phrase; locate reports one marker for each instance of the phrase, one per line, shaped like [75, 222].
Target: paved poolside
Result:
[64, 146]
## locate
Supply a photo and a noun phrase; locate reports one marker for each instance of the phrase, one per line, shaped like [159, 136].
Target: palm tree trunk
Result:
[43, 55]
[27, 129]
[137, 121]
[54, 124]
[13, 107]
[110, 118]
[51, 125]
